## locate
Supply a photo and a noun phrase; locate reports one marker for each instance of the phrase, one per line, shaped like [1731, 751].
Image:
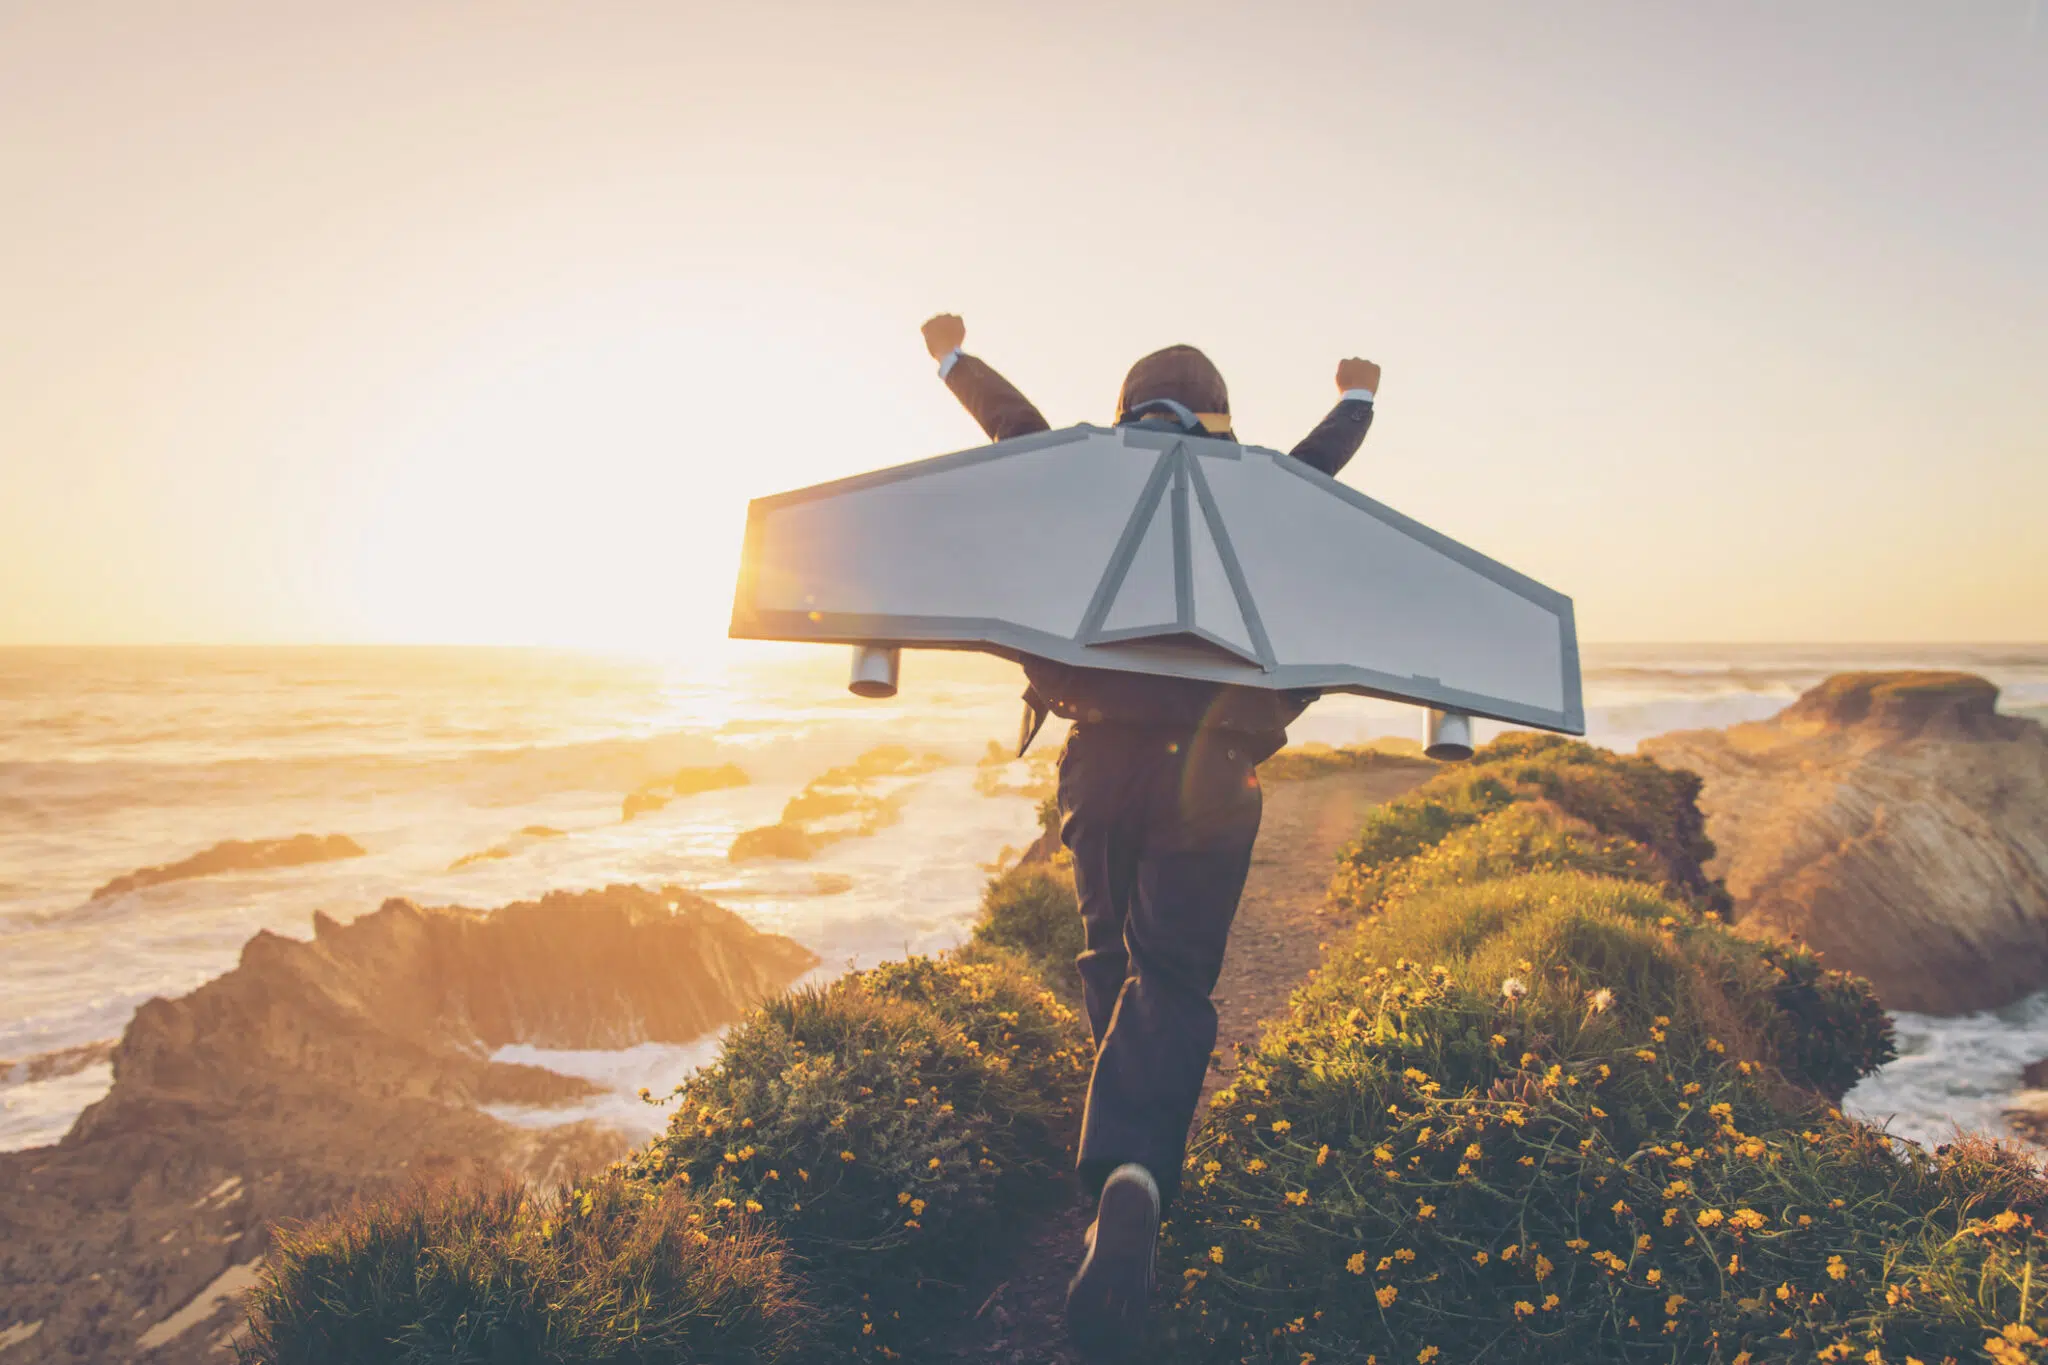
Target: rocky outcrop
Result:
[848, 802]
[318, 1070]
[511, 848]
[687, 782]
[48, 1066]
[1896, 822]
[238, 855]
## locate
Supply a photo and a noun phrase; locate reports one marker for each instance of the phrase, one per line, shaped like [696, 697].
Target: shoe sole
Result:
[1108, 1297]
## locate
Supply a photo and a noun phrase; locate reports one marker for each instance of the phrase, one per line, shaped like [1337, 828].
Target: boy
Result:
[1159, 804]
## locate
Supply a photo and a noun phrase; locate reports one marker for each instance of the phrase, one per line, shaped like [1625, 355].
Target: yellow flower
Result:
[846, 1156]
[1746, 1218]
[1655, 1276]
[1734, 1265]
[1645, 1055]
[1643, 1242]
[917, 1207]
[1550, 1301]
[753, 1207]
[1472, 1152]
[1403, 1255]
[1479, 1258]
[1785, 1292]
[1386, 1264]
[1356, 1265]
[1297, 1197]
[1322, 1154]
[1578, 1244]
[1216, 1255]
[1836, 1270]
[1671, 1305]
[1422, 1210]
[1543, 1267]
[1386, 1294]
[1255, 1165]
[1426, 1354]
[1524, 1308]
[1281, 1125]
[1620, 1208]
[1708, 1218]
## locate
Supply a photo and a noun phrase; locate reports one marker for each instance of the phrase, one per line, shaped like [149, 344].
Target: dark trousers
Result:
[1161, 828]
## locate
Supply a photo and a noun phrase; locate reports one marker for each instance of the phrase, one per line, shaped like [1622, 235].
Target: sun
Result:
[583, 480]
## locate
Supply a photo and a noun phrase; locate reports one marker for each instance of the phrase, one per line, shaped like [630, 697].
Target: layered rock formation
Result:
[238, 855]
[1895, 821]
[318, 1070]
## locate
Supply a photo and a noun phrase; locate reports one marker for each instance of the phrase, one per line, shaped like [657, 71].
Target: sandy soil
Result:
[1017, 1306]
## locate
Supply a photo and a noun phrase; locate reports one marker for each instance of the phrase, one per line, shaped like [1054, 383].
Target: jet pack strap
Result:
[1035, 712]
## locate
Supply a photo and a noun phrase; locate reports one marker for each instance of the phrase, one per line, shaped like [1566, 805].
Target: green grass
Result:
[1032, 909]
[612, 1272]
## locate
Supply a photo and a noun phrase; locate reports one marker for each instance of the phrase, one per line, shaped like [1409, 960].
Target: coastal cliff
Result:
[315, 1071]
[1894, 821]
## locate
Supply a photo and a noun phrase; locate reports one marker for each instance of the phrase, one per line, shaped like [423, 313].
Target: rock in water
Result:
[238, 855]
[1895, 821]
[316, 1071]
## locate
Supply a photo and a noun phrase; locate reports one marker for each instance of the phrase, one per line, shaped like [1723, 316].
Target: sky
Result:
[481, 322]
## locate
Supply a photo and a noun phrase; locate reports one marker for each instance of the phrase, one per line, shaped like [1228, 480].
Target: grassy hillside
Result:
[1540, 1105]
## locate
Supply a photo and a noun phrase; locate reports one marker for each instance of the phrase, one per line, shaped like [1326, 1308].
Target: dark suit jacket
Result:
[1003, 412]
[1106, 696]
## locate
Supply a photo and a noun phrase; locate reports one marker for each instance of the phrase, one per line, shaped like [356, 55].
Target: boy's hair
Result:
[1180, 373]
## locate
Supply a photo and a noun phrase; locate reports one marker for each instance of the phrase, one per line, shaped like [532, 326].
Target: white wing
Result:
[1138, 550]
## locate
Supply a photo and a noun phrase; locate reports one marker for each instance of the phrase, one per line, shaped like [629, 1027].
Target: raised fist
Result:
[1351, 374]
[944, 333]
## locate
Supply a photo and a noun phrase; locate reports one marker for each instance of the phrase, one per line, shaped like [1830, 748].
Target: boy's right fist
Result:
[943, 335]
[1351, 374]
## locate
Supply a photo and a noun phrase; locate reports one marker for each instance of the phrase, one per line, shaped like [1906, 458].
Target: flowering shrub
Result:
[1545, 1106]
[884, 1124]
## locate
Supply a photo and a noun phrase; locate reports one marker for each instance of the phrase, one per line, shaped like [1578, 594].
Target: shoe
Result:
[1108, 1296]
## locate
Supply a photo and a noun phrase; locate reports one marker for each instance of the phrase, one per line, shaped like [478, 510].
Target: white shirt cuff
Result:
[1359, 395]
[948, 361]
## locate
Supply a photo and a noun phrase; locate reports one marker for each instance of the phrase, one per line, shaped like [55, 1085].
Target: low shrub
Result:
[885, 1125]
[612, 1272]
[1654, 808]
[1032, 908]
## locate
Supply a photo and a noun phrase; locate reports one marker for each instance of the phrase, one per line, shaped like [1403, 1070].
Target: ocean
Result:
[112, 759]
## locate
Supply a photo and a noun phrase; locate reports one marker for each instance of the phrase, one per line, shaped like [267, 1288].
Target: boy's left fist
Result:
[943, 335]
[1355, 374]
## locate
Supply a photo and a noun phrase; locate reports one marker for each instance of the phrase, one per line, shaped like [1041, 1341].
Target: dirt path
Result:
[1280, 924]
